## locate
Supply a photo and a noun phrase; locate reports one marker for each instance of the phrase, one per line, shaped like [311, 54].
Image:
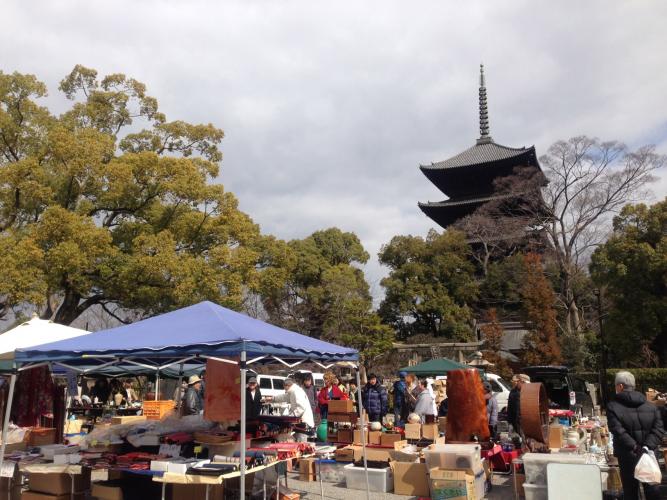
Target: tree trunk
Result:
[69, 308]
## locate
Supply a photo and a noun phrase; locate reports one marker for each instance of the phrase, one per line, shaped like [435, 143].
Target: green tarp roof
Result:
[435, 367]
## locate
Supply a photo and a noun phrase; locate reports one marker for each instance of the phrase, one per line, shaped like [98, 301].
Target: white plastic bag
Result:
[647, 469]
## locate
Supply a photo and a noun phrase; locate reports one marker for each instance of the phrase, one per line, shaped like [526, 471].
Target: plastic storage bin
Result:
[535, 491]
[454, 456]
[535, 465]
[380, 480]
[332, 472]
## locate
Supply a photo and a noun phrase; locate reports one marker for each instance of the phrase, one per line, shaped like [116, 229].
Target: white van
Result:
[501, 389]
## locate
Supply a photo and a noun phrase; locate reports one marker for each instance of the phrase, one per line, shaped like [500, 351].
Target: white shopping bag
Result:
[647, 469]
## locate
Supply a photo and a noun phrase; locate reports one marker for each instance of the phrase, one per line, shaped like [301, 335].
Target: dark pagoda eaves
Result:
[466, 201]
[485, 152]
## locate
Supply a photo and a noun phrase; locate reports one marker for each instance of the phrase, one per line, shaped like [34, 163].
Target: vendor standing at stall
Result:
[253, 399]
[299, 406]
[635, 424]
[310, 391]
[491, 408]
[328, 392]
[425, 404]
[193, 403]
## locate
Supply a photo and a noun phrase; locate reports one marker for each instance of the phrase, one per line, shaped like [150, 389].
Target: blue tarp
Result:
[202, 329]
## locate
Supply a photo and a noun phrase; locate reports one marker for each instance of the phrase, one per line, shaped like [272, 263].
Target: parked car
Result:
[564, 390]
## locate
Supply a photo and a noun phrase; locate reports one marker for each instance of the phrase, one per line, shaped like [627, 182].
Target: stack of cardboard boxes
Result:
[57, 486]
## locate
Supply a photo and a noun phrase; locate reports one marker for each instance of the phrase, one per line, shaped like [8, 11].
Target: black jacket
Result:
[193, 404]
[514, 408]
[253, 407]
[634, 422]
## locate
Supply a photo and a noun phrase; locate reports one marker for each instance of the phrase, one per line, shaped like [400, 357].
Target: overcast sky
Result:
[329, 107]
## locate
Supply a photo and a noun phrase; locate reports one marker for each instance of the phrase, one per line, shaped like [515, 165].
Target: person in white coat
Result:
[299, 405]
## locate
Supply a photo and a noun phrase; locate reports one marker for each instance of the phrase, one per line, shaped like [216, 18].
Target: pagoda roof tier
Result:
[447, 212]
[473, 172]
[484, 151]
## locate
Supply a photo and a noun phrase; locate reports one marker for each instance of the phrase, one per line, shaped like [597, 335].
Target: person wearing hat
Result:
[253, 399]
[491, 408]
[514, 401]
[193, 404]
[637, 427]
[299, 406]
[400, 408]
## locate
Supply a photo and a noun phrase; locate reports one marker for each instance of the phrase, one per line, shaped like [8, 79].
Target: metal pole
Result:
[243, 423]
[157, 385]
[8, 410]
[363, 431]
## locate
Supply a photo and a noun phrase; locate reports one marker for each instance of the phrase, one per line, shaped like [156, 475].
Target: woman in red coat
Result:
[328, 392]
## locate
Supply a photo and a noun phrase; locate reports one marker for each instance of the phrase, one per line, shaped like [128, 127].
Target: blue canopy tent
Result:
[184, 338]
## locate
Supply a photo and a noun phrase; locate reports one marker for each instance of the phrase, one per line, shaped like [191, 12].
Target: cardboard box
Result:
[342, 417]
[556, 436]
[452, 484]
[345, 436]
[410, 478]
[413, 431]
[33, 495]
[59, 484]
[287, 494]
[389, 438]
[348, 454]
[307, 469]
[341, 406]
[357, 436]
[129, 419]
[374, 437]
[430, 431]
[196, 491]
[377, 454]
[442, 424]
[519, 479]
[40, 436]
[106, 491]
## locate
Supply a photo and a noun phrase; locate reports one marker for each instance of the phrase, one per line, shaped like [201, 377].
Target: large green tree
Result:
[430, 285]
[325, 293]
[632, 269]
[109, 204]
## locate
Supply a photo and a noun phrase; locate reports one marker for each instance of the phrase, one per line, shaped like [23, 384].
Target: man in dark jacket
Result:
[514, 401]
[253, 399]
[635, 423]
[399, 400]
[375, 399]
[193, 404]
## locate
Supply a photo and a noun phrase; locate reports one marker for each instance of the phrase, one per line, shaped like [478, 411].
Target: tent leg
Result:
[243, 423]
[363, 431]
[8, 412]
[157, 385]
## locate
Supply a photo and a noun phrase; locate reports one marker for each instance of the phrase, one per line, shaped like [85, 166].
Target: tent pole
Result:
[8, 411]
[363, 430]
[243, 423]
[157, 385]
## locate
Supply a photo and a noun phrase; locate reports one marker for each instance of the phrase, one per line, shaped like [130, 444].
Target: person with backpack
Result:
[375, 400]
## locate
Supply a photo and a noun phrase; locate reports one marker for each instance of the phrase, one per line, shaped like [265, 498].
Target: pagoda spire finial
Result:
[483, 110]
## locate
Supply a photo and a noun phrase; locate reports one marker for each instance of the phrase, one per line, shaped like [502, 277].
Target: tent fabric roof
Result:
[33, 333]
[435, 367]
[201, 329]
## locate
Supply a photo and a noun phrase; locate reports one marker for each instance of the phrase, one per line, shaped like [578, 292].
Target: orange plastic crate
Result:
[157, 410]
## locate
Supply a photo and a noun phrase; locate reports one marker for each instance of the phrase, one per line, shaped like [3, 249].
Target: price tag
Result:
[8, 469]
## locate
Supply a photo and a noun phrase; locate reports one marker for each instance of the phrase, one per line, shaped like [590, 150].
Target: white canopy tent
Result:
[33, 333]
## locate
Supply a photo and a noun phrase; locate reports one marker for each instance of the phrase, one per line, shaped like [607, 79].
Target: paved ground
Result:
[502, 490]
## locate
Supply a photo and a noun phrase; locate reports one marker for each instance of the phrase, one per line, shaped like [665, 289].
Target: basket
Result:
[157, 410]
